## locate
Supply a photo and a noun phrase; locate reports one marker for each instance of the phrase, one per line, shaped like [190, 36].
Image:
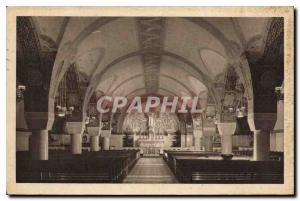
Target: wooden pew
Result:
[195, 168]
[89, 167]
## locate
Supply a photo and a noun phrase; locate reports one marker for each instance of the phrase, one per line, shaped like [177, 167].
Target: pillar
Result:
[261, 151]
[39, 123]
[198, 132]
[38, 144]
[226, 142]
[105, 144]
[208, 143]
[278, 131]
[197, 139]
[94, 143]
[226, 130]
[209, 131]
[75, 129]
[261, 124]
[76, 143]
[94, 132]
[183, 140]
[22, 140]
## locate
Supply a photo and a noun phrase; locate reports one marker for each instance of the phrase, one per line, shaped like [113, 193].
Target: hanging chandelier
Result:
[234, 101]
[62, 109]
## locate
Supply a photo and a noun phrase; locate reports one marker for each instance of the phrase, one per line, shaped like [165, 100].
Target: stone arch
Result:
[67, 52]
[65, 57]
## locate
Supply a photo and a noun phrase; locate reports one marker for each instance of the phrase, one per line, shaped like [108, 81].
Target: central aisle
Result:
[150, 170]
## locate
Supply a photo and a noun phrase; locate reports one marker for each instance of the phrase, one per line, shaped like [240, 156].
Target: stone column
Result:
[39, 144]
[209, 130]
[261, 151]
[75, 129]
[76, 143]
[105, 143]
[22, 140]
[226, 130]
[39, 123]
[94, 137]
[261, 124]
[208, 143]
[105, 136]
[23, 133]
[198, 132]
[94, 143]
[183, 140]
[278, 131]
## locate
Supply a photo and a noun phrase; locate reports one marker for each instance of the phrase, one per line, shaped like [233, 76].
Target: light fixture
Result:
[239, 113]
[61, 100]
[279, 93]
[20, 92]
[230, 109]
[87, 120]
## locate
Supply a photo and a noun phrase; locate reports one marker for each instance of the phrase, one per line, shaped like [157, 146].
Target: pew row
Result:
[199, 168]
[89, 167]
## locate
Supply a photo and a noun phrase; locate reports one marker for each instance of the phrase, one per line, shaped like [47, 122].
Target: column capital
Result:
[262, 121]
[74, 127]
[39, 120]
[209, 123]
[93, 131]
[105, 133]
[226, 128]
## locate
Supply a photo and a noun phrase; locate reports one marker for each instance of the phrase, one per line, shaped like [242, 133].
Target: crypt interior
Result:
[234, 65]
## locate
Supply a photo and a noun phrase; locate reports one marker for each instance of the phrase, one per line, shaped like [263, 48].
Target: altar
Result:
[151, 146]
[151, 131]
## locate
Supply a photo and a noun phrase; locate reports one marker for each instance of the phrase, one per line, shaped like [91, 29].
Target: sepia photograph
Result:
[150, 101]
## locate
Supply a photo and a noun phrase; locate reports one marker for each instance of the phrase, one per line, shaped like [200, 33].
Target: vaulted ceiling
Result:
[167, 56]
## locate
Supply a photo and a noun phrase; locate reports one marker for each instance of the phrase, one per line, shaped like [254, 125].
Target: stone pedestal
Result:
[22, 140]
[261, 150]
[209, 130]
[226, 130]
[39, 123]
[261, 124]
[198, 134]
[208, 143]
[183, 142]
[94, 133]
[94, 143]
[105, 136]
[105, 143]
[226, 141]
[76, 143]
[75, 129]
[38, 144]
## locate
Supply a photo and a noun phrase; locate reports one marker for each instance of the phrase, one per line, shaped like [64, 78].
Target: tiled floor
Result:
[150, 170]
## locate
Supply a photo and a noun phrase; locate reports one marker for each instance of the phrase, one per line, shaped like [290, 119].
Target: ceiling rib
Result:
[151, 31]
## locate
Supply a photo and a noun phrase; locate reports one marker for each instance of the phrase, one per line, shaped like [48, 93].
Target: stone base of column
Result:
[76, 143]
[38, 145]
[105, 143]
[197, 143]
[94, 143]
[261, 149]
[22, 140]
[227, 157]
[226, 130]
[208, 143]
[226, 143]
